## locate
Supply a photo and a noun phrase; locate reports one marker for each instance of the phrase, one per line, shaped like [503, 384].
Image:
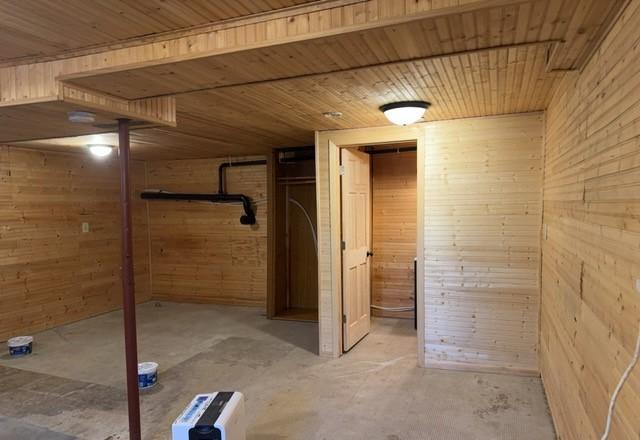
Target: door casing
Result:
[328, 145]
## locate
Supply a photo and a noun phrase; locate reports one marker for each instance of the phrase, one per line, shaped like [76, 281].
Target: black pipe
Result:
[225, 165]
[249, 217]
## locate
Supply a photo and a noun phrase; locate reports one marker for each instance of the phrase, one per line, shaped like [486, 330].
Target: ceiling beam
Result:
[48, 118]
[25, 83]
[549, 43]
[184, 32]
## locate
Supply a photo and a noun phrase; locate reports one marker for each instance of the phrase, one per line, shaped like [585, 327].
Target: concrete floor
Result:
[72, 387]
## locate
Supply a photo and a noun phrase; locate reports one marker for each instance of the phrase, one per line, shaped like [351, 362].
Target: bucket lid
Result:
[147, 367]
[19, 341]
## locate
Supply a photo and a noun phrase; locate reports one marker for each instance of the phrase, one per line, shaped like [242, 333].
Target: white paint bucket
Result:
[20, 345]
[147, 374]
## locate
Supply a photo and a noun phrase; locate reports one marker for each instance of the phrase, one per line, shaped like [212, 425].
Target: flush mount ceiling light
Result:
[100, 150]
[81, 117]
[332, 114]
[406, 112]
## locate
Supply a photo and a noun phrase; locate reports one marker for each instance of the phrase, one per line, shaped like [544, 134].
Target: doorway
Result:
[294, 294]
[378, 185]
[328, 189]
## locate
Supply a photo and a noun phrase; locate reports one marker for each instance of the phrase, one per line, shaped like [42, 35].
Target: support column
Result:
[128, 291]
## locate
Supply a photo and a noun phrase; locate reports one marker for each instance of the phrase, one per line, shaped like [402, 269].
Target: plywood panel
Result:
[483, 183]
[394, 231]
[199, 251]
[50, 272]
[591, 257]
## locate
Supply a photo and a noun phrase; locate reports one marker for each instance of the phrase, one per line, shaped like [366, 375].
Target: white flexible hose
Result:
[306, 214]
[623, 379]
[393, 309]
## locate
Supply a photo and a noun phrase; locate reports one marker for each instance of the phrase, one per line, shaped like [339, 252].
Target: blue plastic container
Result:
[147, 374]
[20, 345]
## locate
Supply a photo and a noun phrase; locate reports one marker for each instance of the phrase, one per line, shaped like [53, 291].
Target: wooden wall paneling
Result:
[591, 255]
[482, 214]
[51, 272]
[482, 223]
[394, 206]
[199, 251]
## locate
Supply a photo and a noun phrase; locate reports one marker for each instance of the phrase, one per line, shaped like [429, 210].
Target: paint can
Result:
[147, 375]
[20, 345]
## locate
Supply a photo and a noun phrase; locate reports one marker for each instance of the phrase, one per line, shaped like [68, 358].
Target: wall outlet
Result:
[85, 227]
[638, 285]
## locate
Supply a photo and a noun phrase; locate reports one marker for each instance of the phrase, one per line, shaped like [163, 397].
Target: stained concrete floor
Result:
[72, 387]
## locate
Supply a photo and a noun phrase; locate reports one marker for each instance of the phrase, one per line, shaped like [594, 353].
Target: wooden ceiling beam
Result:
[316, 5]
[48, 117]
[25, 83]
[369, 67]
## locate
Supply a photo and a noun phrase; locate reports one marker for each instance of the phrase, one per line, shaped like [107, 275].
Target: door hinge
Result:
[344, 319]
[342, 170]
[343, 245]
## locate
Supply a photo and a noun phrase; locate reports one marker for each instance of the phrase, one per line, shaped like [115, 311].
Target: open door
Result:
[356, 246]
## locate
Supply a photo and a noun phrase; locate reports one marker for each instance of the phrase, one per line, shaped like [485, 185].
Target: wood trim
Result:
[336, 254]
[442, 365]
[271, 232]
[420, 247]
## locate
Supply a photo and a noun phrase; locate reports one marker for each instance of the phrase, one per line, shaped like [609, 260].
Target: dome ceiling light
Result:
[405, 112]
[100, 150]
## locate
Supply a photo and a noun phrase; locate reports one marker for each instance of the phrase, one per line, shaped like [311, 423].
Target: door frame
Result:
[328, 197]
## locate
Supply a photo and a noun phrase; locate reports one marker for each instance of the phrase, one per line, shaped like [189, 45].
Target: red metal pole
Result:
[128, 290]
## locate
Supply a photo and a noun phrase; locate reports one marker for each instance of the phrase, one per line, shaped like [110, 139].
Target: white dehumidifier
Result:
[215, 416]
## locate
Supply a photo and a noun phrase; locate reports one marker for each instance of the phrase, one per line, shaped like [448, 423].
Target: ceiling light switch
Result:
[85, 227]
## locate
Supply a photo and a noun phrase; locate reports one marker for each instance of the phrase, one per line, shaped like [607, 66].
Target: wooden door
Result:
[356, 246]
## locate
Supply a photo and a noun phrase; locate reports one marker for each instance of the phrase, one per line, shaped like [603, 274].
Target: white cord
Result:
[306, 214]
[623, 379]
[392, 309]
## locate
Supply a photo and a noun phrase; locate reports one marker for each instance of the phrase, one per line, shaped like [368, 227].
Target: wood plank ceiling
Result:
[33, 28]
[502, 59]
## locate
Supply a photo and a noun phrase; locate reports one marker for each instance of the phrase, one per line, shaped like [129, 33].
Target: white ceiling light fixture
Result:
[332, 114]
[100, 150]
[405, 112]
[80, 117]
